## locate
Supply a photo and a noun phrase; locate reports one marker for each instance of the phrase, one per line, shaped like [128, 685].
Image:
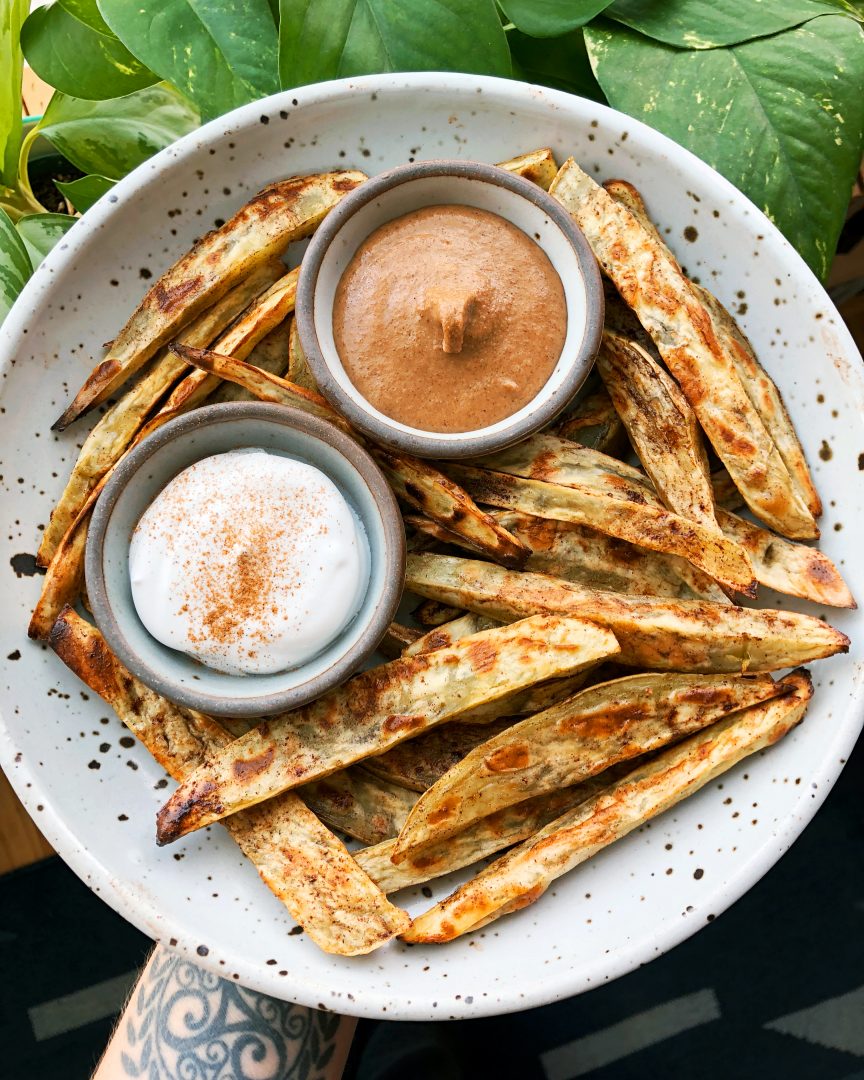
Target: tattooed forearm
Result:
[184, 1023]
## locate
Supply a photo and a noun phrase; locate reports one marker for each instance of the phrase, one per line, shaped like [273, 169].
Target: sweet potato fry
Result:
[299, 371]
[442, 637]
[759, 386]
[538, 166]
[298, 858]
[671, 311]
[662, 427]
[578, 553]
[483, 838]
[64, 578]
[431, 614]
[589, 732]
[397, 639]
[586, 503]
[114, 432]
[239, 342]
[522, 875]
[787, 567]
[364, 805]
[378, 709]
[283, 212]
[418, 763]
[655, 633]
[593, 422]
[439, 498]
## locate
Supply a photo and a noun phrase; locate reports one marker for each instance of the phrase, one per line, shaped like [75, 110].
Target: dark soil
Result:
[43, 173]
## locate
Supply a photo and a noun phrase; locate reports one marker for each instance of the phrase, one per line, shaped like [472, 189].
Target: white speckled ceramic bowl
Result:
[141, 476]
[466, 183]
[96, 800]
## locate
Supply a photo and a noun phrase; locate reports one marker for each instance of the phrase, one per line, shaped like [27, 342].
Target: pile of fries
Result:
[584, 664]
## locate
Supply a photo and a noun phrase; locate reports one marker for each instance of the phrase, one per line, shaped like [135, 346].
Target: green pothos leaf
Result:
[40, 232]
[219, 55]
[707, 24]
[781, 117]
[549, 18]
[76, 59]
[15, 266]
[12, 16]
[560, 62]
[86, 11]
[328, 39]
[85, 191]
[112, 137]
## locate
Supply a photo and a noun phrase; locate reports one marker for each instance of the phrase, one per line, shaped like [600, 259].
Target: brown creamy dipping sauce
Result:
[449, 319]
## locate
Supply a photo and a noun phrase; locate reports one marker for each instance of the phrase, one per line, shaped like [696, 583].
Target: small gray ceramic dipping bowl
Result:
[433, 183]
[142, 475]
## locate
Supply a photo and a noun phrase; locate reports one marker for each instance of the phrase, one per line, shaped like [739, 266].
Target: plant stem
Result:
[23, 201]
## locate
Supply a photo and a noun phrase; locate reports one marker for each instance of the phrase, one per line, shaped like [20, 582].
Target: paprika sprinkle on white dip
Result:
[250, 562]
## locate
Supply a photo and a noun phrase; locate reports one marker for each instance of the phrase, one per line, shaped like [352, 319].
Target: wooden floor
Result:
[21, 843]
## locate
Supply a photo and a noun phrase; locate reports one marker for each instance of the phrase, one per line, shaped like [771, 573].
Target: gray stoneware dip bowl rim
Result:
[546, 406]
[102, 600]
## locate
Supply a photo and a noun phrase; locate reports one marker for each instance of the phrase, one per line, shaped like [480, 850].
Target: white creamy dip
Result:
[249, 562]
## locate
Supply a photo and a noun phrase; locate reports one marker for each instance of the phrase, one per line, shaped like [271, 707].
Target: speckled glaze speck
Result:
[622, 908]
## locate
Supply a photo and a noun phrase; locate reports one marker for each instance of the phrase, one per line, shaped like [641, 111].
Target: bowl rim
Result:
[103, 603]
[546, 405]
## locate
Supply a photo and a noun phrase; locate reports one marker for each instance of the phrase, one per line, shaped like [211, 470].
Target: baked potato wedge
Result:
[261, 230]
[538, 166]
[759, 386]
[787, 567]
[562, 746]
[430, 614]
[364, 805]
[485, 837]
[114, 431]
[437, 497]
[651, 283]
[662, 427]
[299, 371]
[397, 638]
[442, 637]
[418, 763]
[619, 515]
[377, 709]
[583, 555]
[64, 578]
[522, 875]
[593, 422]
[238, 342]
[655, 633]
[298, 858]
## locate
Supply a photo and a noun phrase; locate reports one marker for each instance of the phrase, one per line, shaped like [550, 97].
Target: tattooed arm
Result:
[184, 1023]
